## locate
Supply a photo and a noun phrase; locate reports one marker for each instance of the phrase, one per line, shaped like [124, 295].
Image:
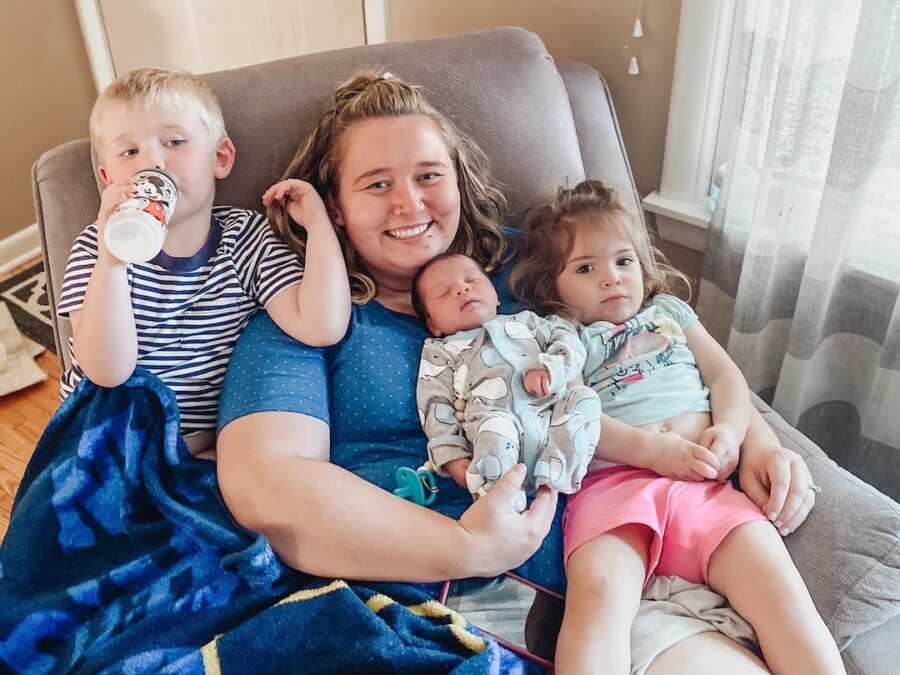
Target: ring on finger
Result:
[815, 488]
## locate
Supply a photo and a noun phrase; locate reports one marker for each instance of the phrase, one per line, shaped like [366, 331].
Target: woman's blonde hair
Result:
[551, 227]
[369, 95]
[174, 89]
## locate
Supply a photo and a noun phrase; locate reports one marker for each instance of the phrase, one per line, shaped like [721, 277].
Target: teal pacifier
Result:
[418, 486]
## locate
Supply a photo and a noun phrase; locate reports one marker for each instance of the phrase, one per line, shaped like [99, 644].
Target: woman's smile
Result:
[409, 232]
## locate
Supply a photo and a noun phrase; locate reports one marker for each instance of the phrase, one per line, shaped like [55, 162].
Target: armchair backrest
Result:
[540, 124]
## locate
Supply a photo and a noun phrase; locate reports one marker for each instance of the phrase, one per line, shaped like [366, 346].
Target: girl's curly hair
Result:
[551, 227]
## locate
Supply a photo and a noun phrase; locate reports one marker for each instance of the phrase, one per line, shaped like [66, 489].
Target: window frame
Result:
[696, 139]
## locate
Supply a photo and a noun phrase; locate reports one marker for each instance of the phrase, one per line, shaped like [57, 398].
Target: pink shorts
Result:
[689, 520]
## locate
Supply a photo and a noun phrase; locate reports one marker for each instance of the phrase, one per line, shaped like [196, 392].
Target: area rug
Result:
[26, 296]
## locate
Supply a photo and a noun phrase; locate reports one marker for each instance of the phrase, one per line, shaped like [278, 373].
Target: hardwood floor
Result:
[23, 416]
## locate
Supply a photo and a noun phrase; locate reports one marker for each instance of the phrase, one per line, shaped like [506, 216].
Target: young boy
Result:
[517, 377]
[180, 314]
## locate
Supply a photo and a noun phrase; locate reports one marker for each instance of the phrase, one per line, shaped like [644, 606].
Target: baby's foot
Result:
[549, 470]
[479, 487]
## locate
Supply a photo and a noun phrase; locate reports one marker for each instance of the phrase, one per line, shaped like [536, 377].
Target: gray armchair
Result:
[541, 124]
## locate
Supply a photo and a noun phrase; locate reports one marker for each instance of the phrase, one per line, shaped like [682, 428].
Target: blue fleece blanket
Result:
[121, 558]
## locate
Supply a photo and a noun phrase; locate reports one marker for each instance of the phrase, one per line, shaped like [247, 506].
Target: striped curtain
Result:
[802, 269]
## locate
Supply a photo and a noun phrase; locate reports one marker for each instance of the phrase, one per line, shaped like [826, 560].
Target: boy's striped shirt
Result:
[189, 312]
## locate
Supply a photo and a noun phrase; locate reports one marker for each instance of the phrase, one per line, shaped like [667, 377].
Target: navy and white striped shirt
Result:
[189, 312]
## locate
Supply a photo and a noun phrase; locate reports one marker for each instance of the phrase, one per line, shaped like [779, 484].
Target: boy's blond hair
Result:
[180, 91]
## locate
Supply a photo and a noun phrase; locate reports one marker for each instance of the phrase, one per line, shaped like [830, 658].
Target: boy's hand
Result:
[677, 457]
[302, 203]
[723, 441]
[113, 195]
[457, 470]
[537, 382]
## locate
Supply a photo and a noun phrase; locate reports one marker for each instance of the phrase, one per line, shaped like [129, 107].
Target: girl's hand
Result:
[501, 538]
[113, 195]
[778, 481]
[677, 457]
[302, 203]
[537, 382]
[723, 441]
[457, 470]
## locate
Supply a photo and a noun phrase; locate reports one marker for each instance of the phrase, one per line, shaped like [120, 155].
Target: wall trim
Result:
[19, 248]
[705, 35]
[375, 16]
[679, 222]
[93, 29]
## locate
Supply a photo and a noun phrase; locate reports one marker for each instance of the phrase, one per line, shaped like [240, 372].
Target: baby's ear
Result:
[225, 155]
[432, 328]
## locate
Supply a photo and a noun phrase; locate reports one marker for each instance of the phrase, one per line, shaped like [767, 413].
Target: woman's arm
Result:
[276, 479]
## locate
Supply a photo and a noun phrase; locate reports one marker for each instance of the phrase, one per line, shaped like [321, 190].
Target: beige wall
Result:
[47, 92]
[206, 35]
[596, 32]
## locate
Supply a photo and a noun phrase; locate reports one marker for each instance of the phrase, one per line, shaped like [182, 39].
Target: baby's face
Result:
[457, 295]
[602, 279]
[140, 135]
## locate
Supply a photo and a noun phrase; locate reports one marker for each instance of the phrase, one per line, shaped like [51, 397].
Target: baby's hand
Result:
[302, 203]
[723, 441]
[113, 195]
[457, 470]
[677, 457]
[537, 382]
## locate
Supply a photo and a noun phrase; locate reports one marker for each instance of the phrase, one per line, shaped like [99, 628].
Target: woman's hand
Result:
[302, 203]
[778, 481]
[500, 537]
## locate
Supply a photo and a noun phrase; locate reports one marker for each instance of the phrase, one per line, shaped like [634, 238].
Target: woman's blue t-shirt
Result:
[364, 388]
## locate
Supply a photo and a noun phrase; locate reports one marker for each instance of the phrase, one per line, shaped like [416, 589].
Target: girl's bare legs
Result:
[605, 578]
[752, 568]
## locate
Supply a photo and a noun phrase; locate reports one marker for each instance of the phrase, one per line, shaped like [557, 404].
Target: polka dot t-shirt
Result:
[364, 388]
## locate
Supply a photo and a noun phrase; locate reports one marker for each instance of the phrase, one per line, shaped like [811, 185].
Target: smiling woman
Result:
[278, 389]
[404, 211]
[427, 175]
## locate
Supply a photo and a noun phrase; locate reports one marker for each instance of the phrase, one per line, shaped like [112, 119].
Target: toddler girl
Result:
[676, 409]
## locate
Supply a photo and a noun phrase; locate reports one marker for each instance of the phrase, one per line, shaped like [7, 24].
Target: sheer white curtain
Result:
[802, 266]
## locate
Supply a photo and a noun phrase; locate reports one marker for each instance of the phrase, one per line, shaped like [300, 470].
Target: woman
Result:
[308, 436]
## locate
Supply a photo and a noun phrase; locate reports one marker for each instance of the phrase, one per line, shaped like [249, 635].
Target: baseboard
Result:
[19, 248]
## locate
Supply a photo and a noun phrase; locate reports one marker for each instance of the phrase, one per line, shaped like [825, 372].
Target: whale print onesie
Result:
[472, 403]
